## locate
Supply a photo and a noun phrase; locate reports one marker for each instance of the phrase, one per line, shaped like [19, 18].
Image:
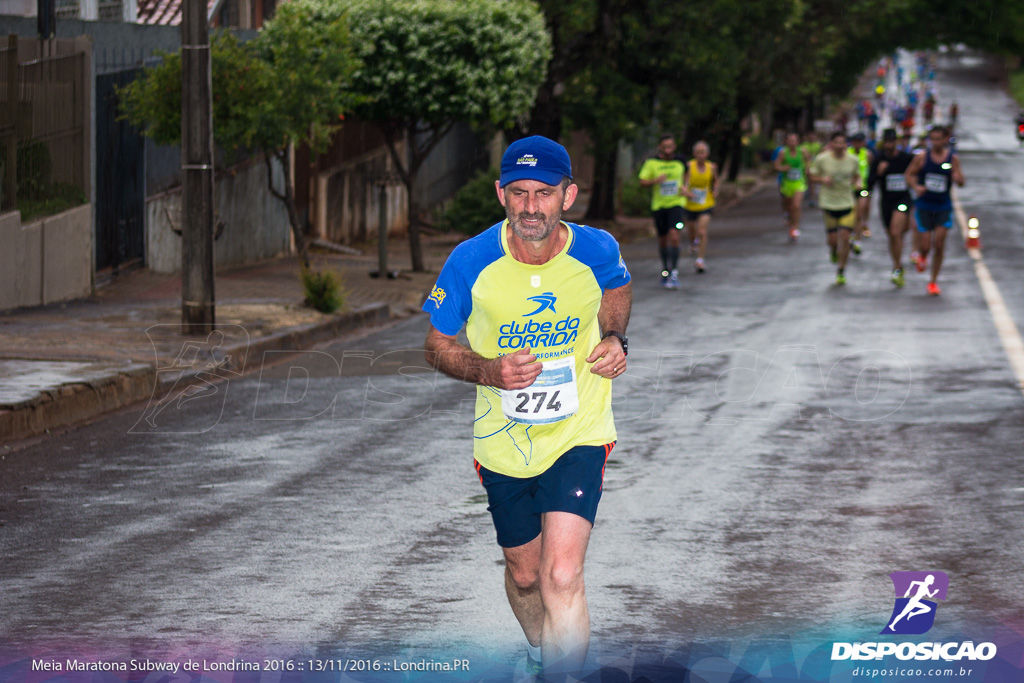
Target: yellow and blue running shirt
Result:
[664, 195]
[551, 308]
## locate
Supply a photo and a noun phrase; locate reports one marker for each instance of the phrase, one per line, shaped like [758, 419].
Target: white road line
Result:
[1008, 332]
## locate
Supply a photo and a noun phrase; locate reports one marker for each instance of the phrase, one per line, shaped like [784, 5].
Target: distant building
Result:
[239, 14]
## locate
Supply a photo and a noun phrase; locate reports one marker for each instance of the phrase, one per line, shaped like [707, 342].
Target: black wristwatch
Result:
[623, 339]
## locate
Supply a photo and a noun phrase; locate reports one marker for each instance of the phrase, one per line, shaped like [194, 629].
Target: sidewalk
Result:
[67, 363]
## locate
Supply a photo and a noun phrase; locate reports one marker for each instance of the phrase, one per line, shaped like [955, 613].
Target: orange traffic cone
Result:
[973, 240]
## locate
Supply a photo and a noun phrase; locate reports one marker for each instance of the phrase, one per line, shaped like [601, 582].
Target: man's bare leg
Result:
[938, 251]
[843, 251]
[566, 630]
[522, 585]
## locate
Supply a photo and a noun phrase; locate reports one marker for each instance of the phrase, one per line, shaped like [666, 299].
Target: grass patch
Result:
[60, 198]
[323, 290]
[1017, 86]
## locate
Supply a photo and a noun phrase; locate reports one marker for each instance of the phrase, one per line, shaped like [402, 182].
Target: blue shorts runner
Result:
[573, 484]
[928, 220]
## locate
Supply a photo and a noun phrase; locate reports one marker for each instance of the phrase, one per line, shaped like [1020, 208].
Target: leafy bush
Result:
[323, 290]
[61, 197]
[1017, 86]
[636, 199]
[34, 169]
[757, 150]
[474, 208]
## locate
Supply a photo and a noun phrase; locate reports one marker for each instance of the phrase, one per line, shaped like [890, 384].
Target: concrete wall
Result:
[20, 262]
[113, 36]
[456, 158]
[347, 207]
[67, 254]
[256, 222]
[45, 261]
[25, 8]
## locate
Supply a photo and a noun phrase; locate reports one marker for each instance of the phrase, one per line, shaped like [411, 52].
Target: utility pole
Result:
[46, 22]
[197, 299]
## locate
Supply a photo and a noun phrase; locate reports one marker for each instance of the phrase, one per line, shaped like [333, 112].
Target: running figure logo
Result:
[546, 301]
[914, 611]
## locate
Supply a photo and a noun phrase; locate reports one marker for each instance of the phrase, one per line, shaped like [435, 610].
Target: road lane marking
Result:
[1009, 335]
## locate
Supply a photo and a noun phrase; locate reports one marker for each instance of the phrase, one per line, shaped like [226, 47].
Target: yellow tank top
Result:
[699, 184]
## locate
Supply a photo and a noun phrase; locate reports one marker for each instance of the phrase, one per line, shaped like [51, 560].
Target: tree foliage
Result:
[427, 64]
[697, 69]
[289, 86]
[153, 102]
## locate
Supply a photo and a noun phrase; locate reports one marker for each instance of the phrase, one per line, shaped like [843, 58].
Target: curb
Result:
[76, 402]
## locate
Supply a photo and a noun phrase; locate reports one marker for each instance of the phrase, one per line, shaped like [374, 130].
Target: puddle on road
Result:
[473, 501]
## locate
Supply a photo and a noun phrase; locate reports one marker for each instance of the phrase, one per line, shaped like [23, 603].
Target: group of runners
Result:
[545, 304]
[840, 177]
[683, 195]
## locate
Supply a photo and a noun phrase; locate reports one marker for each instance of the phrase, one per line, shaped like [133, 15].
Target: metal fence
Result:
[43, 141]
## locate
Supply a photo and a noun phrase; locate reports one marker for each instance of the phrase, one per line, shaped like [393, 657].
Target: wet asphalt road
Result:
[784, 445]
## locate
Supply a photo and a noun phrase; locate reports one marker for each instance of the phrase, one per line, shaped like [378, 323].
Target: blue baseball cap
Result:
[535, 158]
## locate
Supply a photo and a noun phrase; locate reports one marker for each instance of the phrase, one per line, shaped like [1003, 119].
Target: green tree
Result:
[427, 64]
[289, 86]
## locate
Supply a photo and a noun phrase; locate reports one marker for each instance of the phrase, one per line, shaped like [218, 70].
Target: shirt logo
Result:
[535, 280]
[914, 612]
[437, 295]
[546, 301]
[526, 160]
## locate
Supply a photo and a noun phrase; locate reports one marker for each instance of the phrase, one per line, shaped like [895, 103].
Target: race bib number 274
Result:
[552, 396]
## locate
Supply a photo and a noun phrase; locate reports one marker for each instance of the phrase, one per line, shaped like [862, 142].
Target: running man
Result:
[838, 172]
[664, 173]
[894, 201]
[930, 175]
[914, 606]
[545, 305]
[701, 190]
[792, 162]
[859, 149]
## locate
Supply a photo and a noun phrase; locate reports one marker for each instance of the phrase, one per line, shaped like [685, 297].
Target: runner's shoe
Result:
[533, 667]
[921, 263]
[855, 247]
[794, 234]
[673, 279]
[840, 278]
[834, 257]
[699, 265]
[933, 289]
[664, 279]
[897, 277]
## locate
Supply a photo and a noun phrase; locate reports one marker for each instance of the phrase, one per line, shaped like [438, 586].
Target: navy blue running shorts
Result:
[928, 220]
[666, 219]
[572, 484]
